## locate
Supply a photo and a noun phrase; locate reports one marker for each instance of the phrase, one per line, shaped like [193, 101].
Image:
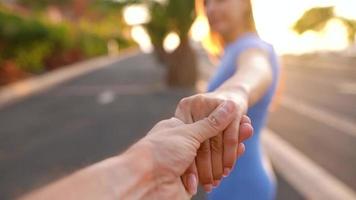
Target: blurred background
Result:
[81, 80]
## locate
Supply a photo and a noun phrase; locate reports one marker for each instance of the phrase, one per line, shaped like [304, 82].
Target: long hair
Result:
[214, 43]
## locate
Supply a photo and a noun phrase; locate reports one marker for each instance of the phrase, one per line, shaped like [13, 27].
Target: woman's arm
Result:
[251, 80]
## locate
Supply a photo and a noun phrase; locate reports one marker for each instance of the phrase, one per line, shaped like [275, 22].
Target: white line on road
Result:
[308, 178]
[106, 97]
[323, 116]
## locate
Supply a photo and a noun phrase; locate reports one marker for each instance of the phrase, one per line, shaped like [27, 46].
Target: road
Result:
[317, 113]
[51, 134]
[85, 120]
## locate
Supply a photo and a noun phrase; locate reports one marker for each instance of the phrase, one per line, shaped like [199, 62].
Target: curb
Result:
[15, 92]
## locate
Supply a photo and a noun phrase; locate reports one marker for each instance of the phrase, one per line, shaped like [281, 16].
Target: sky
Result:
[274, 21]
[275, 18]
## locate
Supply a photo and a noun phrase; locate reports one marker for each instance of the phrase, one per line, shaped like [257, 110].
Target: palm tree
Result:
[316, 18]
[173, 16]
[182, 70]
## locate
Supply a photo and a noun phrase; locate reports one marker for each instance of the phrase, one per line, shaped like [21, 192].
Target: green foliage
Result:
[32, 40]
[314, 19]
[171, 15]
[43, 3]
[92, 45]
[351, 28]
[181, 14]
[158, 26]
[28, 41]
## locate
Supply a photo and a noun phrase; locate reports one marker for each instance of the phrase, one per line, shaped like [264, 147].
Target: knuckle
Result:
[212, 123]
[231, 141]
[236, 106]
[199, 96]
[204, 148]
[183, 103]
[163, 123]
[216, 145]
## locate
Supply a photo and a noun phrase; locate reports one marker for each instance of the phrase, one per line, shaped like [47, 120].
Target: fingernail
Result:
[216, 183]
[227, 106]
[226, 171]
[208, 187]
[192, 184]
[222, 112]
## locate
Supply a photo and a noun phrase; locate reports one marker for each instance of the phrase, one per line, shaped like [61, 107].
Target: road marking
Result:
[308, 178]
[106, 97]
[329, 119]
[121, 89]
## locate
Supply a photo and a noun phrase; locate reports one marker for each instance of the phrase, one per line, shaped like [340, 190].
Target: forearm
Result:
[251, 80]
[245, 87]
[123, 177]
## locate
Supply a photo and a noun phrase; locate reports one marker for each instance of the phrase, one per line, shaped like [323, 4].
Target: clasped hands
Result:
[200, 144]
[212, 129]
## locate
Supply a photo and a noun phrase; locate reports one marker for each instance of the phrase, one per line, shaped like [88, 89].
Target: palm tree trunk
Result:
[182, 66]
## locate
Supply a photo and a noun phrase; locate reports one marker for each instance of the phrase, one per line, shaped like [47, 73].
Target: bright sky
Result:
[274, 20]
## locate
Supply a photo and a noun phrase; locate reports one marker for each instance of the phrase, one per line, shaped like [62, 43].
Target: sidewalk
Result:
[84, 120]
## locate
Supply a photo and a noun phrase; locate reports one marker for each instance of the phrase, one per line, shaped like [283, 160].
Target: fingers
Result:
[236, 133]
[240, 150]
[203, 162]
[209, 155]
[245, 119]
[190, 179]
[217, 121]
[216, 148]
[230, 146]
[245, 131]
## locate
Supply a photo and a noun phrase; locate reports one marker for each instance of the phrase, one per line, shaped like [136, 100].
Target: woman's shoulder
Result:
[253, 41]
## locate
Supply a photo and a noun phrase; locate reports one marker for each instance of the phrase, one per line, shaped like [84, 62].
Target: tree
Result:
[182, 63]
[316, 18]
[173, 16]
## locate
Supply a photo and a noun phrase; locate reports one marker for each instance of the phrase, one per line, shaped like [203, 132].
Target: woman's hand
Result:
[216, 156]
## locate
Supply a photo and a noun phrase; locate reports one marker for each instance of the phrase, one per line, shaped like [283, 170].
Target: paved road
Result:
[317, 113]
[49, 135]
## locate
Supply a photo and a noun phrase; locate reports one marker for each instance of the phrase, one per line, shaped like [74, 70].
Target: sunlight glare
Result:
[171, 42]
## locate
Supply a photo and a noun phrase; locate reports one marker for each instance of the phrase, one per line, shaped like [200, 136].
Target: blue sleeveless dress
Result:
[249, 180]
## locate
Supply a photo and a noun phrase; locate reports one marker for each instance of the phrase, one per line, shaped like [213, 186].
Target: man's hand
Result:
[216, 156]
[150, 169]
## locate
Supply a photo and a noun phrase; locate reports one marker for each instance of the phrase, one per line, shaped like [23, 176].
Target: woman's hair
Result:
[214, 43]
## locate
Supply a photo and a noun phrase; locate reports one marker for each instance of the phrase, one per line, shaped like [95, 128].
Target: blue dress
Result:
[249, 180]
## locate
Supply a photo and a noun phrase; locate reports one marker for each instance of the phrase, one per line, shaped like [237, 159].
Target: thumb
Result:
[214, 124]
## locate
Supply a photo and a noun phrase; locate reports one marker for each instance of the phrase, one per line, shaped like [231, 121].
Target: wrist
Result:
[239, 95]
[137, 165]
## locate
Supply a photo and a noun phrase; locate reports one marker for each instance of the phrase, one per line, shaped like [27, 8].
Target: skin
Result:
[217, 156]
[151, 168]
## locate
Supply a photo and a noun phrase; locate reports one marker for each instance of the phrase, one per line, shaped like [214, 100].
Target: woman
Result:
[248, 75]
